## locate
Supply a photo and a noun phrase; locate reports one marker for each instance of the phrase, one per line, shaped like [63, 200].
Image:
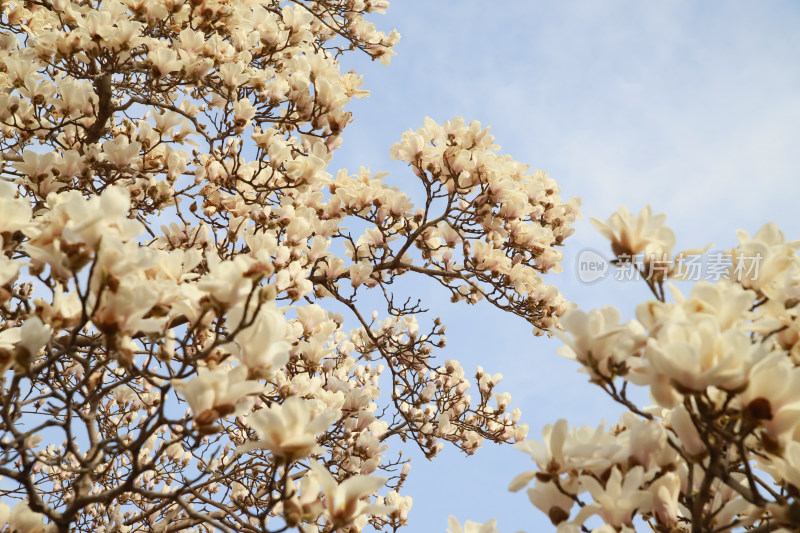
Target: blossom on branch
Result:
[718, 452]
[171, 232]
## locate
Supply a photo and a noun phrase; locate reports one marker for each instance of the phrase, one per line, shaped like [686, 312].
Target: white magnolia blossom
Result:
[697, 355]
[761, 260]
[290, 430]
[771, 398]
[617, 499]
[470, 526]
[220, 392]
[599, 341]
[173, 245]
[262, 347]
[22, 519]
[344, 501]
[722, 367]
[631, 235]
[172, 235]
[551, 500]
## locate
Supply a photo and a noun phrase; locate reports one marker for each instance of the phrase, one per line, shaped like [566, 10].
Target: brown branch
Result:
[102, 86]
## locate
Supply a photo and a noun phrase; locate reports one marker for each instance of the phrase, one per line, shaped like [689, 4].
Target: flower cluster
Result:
[509, 223]
[172, 240]
[719, 449]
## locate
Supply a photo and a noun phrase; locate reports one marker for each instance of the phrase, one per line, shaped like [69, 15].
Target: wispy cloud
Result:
[693, 107]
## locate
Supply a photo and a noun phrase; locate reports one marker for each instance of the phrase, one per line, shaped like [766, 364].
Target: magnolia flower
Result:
[305, 505]
[289, 430]
[566, 449]
[166, 120]
[34, 335]
[311, 316]
[233, 74]
[666, 490]
[763, 258]
[261, 341]
[165, 60]
[77, 97]
[127, 34]
[36, 166]
[226, 282]
[344, 501]
[409, 148]
[19, 69]
[244, 110]
[121, 152]
[15, 213]
[124, 310]
[731, 508]
[598, 341]
[631, 235]
[771, 398]
[88, 221]
[729, 303]
[9, 268]
[617, 499]
[696, 355]
[549, 456]
[8, 338]
[218, 393]
[19, 345]
[470, 526]
[298, 230]
[360, 272]
[649, 446]
[551, 501]
[402, 504]
[23, 520]
[191, 40]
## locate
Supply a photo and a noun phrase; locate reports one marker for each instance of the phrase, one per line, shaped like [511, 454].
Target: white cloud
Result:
[690, 106]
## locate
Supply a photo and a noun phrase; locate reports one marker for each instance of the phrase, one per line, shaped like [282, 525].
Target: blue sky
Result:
[692, 107]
